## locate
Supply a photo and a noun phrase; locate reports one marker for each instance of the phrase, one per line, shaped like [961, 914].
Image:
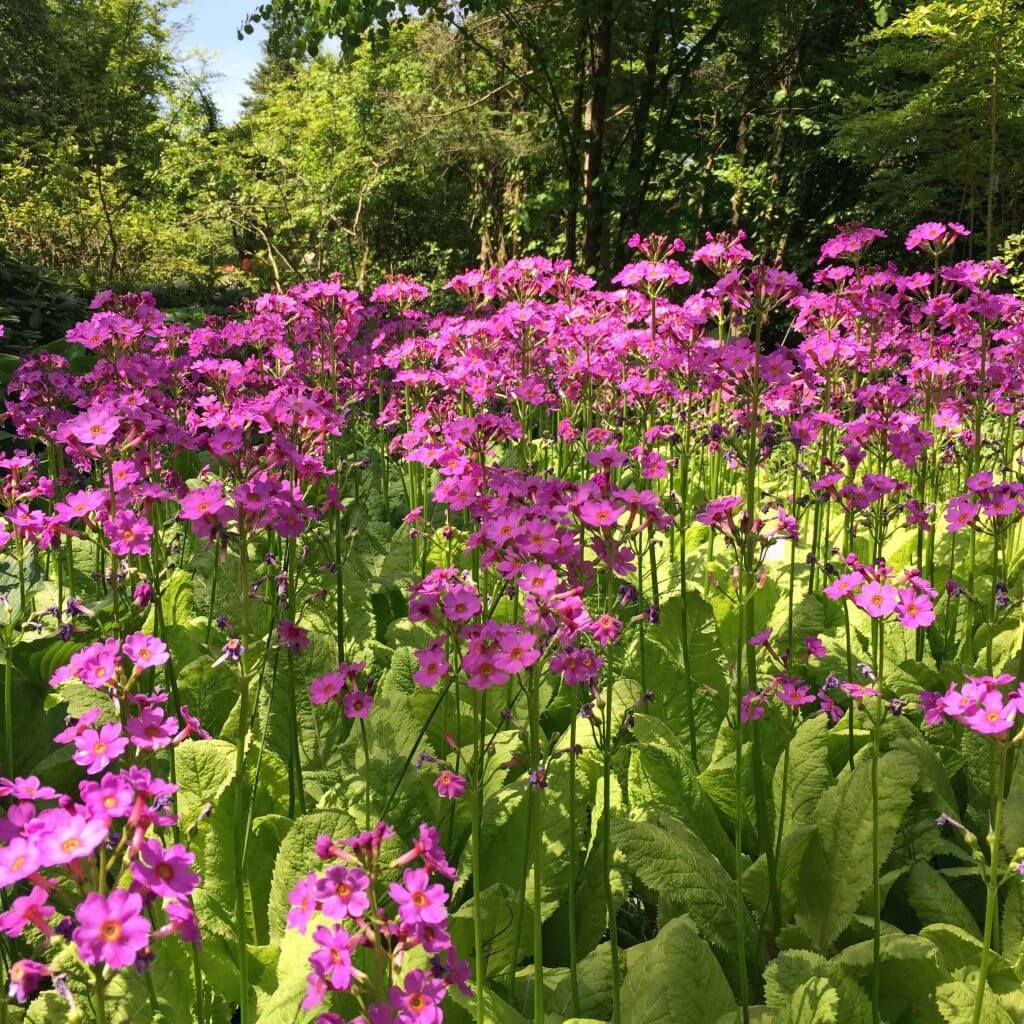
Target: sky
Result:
[212, 26]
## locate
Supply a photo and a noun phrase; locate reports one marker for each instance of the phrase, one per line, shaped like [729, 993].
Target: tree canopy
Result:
[434, 136]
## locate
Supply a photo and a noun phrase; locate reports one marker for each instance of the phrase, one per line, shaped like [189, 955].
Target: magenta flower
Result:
[915, 610]
[145, 651]
[343, 892]
[877, 599]
[356, 704]
[151, 729]
[449, 785]
[18, 859]
[165, 871]
[26, 788]
[64, 837]
[95, 428]
[25, 978]
[96, 748]
[326, 687]
[304, 900]
[419, 999]
[129, 534]
[460, 603]
[419, 901]
[25, 910]
[111, 930]
[433, 664]
[332, 959]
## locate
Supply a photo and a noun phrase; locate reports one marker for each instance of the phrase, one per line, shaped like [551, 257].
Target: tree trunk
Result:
[595, 188]
[741, 159]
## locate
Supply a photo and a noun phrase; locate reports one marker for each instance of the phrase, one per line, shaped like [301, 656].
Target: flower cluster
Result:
[346, 907]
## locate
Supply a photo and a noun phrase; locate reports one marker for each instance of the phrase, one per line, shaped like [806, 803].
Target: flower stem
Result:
[992, 901]
[478, 811]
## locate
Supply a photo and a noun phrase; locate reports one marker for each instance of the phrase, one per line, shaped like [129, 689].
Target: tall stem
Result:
[478, 810]
[241, 927]
[992, 901]
[574, 979]
[536, 796]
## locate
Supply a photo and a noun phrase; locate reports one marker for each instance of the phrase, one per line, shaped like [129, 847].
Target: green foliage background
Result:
[433, 140]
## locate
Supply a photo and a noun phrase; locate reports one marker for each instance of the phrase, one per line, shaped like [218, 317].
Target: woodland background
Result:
[381, 139]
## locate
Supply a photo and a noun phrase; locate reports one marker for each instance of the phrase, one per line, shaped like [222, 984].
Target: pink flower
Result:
[18, 859]
[26, 788]
[877, 599]
[460, 603]
[419, 999]
[95, 428]
[96, 748]
[760, 639]
[66, 837]
[433, 664]
[844, 586]
[915, 610]
[449, 785]
[165, 871]
[129, 534]
[292, 635]
[960, 512]
[815, 648]
[419, 902]
[605, 629]
[25, 978]
[992, 716]
[303, 900]
[343, 892]
[332, 959]
[516, 652]
[539, 580]
[151, 729]
[356, 704]
[601, 514]
[325, 688]
[111, 930]
[145, 651]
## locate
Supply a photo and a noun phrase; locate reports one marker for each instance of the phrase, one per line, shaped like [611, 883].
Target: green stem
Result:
[241, 926]
[992, 901]
[574, 980]
[478, 811]
[533, 697]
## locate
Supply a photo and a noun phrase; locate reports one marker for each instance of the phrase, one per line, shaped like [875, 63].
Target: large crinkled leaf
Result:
[594, 972]
[837, 868]
[667, 857]
[956, 1004]
[203, 771]
[933, 900]
[662, 776]
[815, 1001]
[674, 977]
[808, 776]
[793, 968]
[911, 971]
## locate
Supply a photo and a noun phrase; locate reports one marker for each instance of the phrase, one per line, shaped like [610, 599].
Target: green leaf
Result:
[668, 858]
[808, 777]
[297, 857]
[934, 901]
[794, 968]
[815, 1001]
[837, 868]
[203, 771]
[956, 1004]
[662, 776]
[674, 977]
